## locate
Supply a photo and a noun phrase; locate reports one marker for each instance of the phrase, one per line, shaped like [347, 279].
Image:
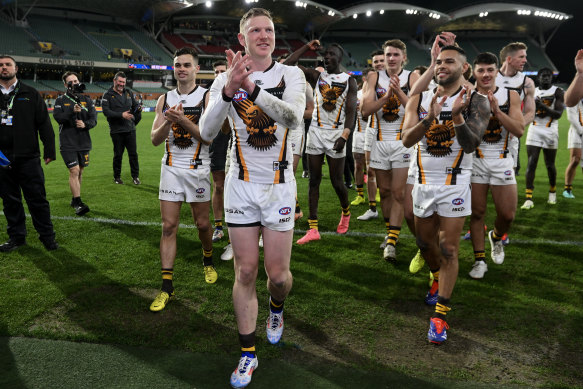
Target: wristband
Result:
[225, 97]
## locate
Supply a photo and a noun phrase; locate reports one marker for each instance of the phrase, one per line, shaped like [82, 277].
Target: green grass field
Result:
[78, 317]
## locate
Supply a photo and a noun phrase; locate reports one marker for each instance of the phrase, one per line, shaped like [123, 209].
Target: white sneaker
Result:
[261, 240]
[497, 249]
[274, 327]
[552, 198]
[478, 270]
[241, 377]
[390, 253]
[227, 255]
[528, 204]
[368, 215]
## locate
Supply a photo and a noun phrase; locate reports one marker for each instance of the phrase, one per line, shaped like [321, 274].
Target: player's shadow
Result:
[106, 310]
[348, 376]
[9, 377]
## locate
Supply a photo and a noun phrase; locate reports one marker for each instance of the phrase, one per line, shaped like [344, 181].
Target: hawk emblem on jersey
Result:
[493, 132]
[182, 139]
[391, 109]
[439, 138]
[260, 127]
[330, 95]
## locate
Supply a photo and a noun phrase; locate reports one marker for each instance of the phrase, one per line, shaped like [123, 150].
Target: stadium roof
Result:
[519, 18]
[309, 16]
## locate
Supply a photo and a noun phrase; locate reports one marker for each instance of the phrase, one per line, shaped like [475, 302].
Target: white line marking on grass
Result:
[299, 232]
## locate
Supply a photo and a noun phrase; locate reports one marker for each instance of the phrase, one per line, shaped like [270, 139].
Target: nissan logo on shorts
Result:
[240, 95]
[200, 190]
[458, 201]
[285, 211]
[508, 172]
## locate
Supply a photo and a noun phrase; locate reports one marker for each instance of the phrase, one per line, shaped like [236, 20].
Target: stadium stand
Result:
[63, 34]
[16, 41]
[151, 47]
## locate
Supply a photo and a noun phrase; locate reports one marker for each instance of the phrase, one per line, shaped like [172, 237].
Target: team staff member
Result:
[24, 118]
[264, 100]
[123, 113]
[75, 118]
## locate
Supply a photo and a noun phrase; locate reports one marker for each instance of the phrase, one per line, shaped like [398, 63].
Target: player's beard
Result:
[453, 77]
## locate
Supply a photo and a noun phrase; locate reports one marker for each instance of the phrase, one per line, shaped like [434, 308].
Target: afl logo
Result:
[240, 95]
[422, 115]
[200, 190]
[285, 211]
[508, 172]
[406, 156]
[381, 91]
[322, 82]
[457, 201]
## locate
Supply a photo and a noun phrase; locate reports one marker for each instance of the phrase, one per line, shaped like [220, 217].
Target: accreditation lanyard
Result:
[6, 112]
[81, 105]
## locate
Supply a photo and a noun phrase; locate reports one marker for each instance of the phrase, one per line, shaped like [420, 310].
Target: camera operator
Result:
[24, 118]
[123, 114]
[76, 115]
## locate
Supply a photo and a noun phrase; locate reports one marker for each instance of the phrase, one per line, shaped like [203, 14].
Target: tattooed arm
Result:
[469, 133]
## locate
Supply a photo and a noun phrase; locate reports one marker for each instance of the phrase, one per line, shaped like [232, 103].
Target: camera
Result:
[75, 88]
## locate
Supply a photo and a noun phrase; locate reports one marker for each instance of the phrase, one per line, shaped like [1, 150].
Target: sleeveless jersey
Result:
[495, 140]
[182, 149]
[547, 97]
[389, 119]
[515, 82]
[261, 150]
[330, 101]
[440, 158]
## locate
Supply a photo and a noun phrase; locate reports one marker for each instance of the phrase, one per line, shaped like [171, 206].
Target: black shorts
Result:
[74, 158]
[218, 151]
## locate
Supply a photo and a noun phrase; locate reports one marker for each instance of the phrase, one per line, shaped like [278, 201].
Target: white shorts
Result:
[445, 200]
[370, 135]
[575, 141]
[358, 142]
[250, 204]
[189, 185]
[493, 171]
[297, 140]
[412, 173]
[390, 154]
[320, 141]
[543, 137]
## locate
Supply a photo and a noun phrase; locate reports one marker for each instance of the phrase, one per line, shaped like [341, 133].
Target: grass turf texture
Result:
[351, 318]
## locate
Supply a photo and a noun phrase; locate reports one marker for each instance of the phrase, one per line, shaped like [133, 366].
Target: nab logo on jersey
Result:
[458, 201]
[508, 172]
[285, 211]
[240, 95]
[200, 190]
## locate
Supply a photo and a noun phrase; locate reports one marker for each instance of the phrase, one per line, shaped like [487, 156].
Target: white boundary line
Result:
[349, 233]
